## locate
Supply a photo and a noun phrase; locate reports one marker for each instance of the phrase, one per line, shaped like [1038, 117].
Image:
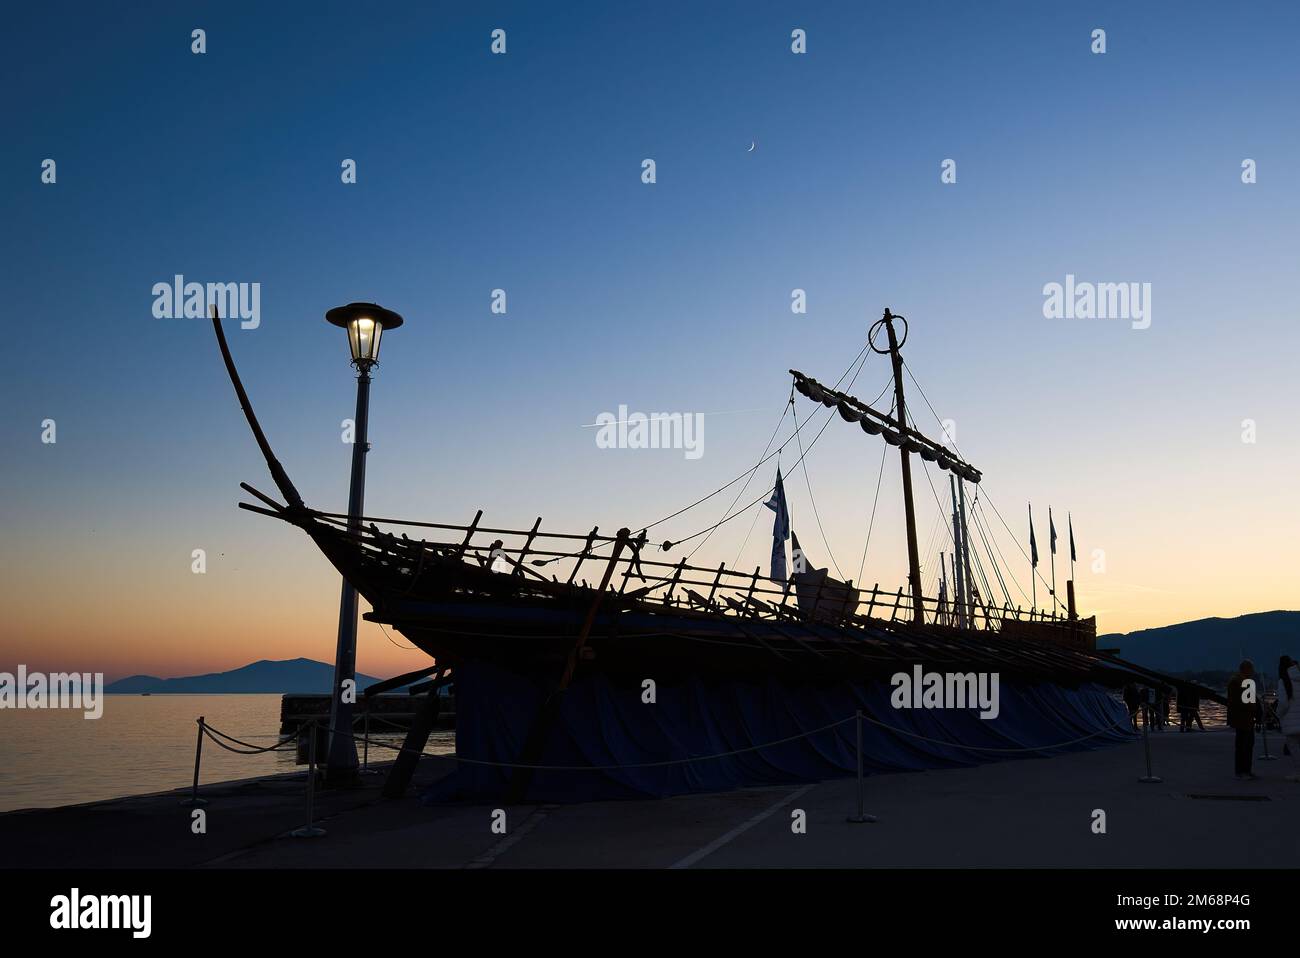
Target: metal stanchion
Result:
[1150, 778]
[365, 754]
[309, 830]
[194, 799]
[1266, 757]
[861, 818]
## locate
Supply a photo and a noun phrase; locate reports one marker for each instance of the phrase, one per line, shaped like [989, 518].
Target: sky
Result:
[522, 172]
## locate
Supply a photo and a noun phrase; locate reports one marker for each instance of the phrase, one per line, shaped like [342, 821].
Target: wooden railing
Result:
[638, 575]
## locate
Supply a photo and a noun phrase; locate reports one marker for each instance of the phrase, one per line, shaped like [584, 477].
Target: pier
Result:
[1037, 812]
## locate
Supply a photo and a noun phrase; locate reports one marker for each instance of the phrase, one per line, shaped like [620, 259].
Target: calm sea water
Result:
[140, 744]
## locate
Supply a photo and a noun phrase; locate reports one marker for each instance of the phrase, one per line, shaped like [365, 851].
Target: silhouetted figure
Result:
[1243, 707]
[496, 558]
[634, 564]
[1184, 708]
[1288, 710]
[1189, 708]
[1132, 701]
[1162, 707]
[1149, 707]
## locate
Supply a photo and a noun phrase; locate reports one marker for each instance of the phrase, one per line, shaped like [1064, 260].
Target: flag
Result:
[1052, 529]
[1070, 522]
[780, 528]
[1033, 546]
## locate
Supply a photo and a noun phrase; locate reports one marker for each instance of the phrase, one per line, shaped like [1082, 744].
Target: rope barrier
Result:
[281, 744]
[740, 751]
[978, 748]
[311, 830]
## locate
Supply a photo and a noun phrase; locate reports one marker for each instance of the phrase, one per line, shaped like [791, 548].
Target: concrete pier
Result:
[1032, 813]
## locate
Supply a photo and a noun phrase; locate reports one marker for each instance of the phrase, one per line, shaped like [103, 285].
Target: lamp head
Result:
[365, 323]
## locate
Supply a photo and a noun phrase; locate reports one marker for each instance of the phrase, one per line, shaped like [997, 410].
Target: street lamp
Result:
[365, 323]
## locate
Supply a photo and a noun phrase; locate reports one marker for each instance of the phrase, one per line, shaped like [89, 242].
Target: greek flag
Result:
[780, 528]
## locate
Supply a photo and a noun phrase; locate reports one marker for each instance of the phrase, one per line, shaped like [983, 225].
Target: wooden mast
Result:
[965, 548]
[960, 569]
[913, 561]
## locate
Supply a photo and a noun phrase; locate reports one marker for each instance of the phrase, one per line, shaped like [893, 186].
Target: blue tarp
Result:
[600, 724]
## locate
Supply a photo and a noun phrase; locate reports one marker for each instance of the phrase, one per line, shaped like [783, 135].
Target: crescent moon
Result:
[752, 146]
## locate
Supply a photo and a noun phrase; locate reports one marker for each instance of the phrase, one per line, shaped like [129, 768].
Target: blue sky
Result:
[522, 172]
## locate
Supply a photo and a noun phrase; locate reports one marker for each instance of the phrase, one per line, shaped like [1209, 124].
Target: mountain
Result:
[299, 676]
[1212, 644]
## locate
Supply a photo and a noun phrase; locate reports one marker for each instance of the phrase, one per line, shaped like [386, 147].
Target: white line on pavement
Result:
[487, 859]
[717, 843]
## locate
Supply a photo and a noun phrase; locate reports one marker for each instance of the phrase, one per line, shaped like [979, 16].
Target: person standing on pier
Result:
[1133, 702]
[1184, 708]
[1288, 711]
[1243, 704]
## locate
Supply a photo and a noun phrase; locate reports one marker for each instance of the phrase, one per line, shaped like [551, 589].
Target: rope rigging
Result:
[811, 498]
[974, 552]
[861, 356]
[979, 529]
[979, 510]
[1056, 601]
[884, 450]
[789, 407]
[768, 492]
[748, 475]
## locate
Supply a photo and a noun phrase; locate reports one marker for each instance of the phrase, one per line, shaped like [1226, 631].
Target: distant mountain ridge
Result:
[294, 676]
[1213, 644]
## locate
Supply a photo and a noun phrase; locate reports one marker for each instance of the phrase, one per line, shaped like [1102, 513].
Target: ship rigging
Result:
[543, 631]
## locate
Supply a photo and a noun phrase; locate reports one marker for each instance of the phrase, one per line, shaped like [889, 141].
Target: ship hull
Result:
[611, 740]
[584, 694]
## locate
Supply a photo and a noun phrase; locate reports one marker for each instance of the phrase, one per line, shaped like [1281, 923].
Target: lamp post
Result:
[365, 323]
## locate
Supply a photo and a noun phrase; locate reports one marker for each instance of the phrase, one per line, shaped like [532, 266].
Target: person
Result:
[1195, 695]
[1184, 708]
[1132, 701]
[1288, 711]
[1243, 705]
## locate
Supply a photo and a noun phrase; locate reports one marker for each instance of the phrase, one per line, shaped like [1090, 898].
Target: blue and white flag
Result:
[1033, 544]
[1052, 526]
[780, 528]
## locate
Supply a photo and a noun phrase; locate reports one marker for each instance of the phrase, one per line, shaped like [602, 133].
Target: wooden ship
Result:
[521, 618]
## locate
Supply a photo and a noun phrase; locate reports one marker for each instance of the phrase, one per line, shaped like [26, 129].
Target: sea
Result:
[145, 743]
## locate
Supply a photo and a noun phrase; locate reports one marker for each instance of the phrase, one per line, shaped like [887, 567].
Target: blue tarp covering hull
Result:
[599, 724]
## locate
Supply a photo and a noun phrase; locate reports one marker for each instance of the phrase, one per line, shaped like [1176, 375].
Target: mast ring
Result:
[871, 334]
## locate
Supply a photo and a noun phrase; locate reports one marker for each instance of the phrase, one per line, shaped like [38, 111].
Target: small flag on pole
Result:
[1033, 544]
[1052, 529]
[1070, 523]
[780, 528]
